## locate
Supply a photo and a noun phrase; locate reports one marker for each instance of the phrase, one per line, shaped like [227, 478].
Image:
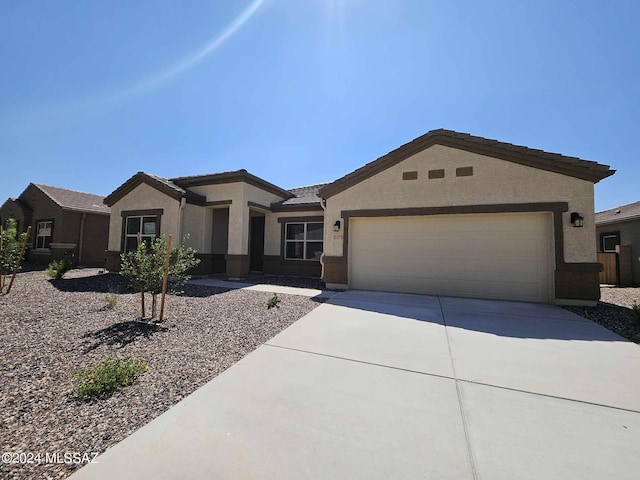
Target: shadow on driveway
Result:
[494, 317]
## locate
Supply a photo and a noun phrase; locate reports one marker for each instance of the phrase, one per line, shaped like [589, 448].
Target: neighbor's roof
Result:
[623, 213]
[553, 162]
[73, 200]
[22, 205]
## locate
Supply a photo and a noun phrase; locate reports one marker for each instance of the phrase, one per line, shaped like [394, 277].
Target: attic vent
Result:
[410, 175]
[617, 212]
[464, 172]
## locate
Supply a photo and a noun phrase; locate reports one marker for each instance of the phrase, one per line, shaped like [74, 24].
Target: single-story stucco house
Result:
[620, 227]
[447, 213]
[64, 223]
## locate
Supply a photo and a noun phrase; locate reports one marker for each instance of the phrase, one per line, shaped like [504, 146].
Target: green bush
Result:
[273, 302]
[10, 248]
[58, 268]
[110, 301]
[144, 267]
[107, 376]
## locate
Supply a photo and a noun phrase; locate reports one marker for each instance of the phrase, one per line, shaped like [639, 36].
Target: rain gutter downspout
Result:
[183, 202]
[323, 204]
[81, 240]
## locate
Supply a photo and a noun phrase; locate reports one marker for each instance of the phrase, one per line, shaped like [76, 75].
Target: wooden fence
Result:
[609, 261]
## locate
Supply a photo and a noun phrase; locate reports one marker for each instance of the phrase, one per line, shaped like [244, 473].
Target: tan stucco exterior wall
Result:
[240, 193]
[494, 181]
[144, 197]
[194, 225]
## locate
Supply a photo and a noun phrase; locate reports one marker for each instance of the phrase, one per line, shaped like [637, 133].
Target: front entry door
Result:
[256, 246]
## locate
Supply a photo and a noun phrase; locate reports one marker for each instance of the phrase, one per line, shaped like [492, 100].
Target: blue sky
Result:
[305, 91]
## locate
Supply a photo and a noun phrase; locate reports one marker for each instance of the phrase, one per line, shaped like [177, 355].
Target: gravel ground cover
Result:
[614, 311]
[51, 330]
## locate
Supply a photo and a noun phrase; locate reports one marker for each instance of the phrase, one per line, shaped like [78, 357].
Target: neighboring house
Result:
[620, 227]
[447, 213]
[64, 223]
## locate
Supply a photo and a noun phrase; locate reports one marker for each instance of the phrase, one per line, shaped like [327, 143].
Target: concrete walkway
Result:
[263, 287]
[372, 385]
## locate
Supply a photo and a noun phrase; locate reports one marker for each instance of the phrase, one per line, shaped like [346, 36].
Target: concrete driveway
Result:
[380, 385]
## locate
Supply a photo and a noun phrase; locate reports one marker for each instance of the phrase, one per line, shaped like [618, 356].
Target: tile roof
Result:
[205, 176]
[301, 199]
[308, 194]
[166, 182]
[553, 162]
[164, 185]
[619, 214]
[241, 175]
[74, 200]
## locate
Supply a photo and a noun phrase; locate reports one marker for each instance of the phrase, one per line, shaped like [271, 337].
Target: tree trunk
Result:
[153, 305]
[142, 303]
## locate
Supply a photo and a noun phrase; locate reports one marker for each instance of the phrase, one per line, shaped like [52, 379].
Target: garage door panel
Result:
[489, 256]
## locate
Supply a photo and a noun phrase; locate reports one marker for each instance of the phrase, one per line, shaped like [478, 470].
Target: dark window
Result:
[139, 229]
[303, 241]
[5, 224]
[44, 233]
[609, 241]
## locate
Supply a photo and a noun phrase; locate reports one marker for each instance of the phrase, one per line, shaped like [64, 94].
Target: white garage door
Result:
[505, 256]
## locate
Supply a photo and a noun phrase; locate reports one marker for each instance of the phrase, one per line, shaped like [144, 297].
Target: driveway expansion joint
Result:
[454, 378]
[467, 437]
[358, 361]
[547, 395]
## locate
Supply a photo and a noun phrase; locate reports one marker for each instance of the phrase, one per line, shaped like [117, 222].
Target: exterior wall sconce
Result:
[336, 226]
[576, 219]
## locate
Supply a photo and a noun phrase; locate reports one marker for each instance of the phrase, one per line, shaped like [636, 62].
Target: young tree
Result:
[10, 248]
[145, 269]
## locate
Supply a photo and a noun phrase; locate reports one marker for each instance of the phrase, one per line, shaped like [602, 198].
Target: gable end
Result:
[553, 162]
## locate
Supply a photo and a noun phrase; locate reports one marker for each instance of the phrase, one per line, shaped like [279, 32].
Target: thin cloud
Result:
[192, 60]
[86, 106]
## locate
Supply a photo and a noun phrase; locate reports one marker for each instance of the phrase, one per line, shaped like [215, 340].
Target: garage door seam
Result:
[459, 393]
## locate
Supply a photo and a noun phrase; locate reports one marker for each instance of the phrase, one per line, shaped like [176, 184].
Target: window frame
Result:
[37, 236]
[141, 214]
[605, 235]
[305, 241]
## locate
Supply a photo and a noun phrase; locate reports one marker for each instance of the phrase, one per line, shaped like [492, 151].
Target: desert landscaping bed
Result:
[614, 311]
[51, 330]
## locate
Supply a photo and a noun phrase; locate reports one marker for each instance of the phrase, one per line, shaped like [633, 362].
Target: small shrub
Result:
[10, 247]
[144, 267]
[107, 376]
[273, 302]
[110, 301]
[635, 311]
[58, 268]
